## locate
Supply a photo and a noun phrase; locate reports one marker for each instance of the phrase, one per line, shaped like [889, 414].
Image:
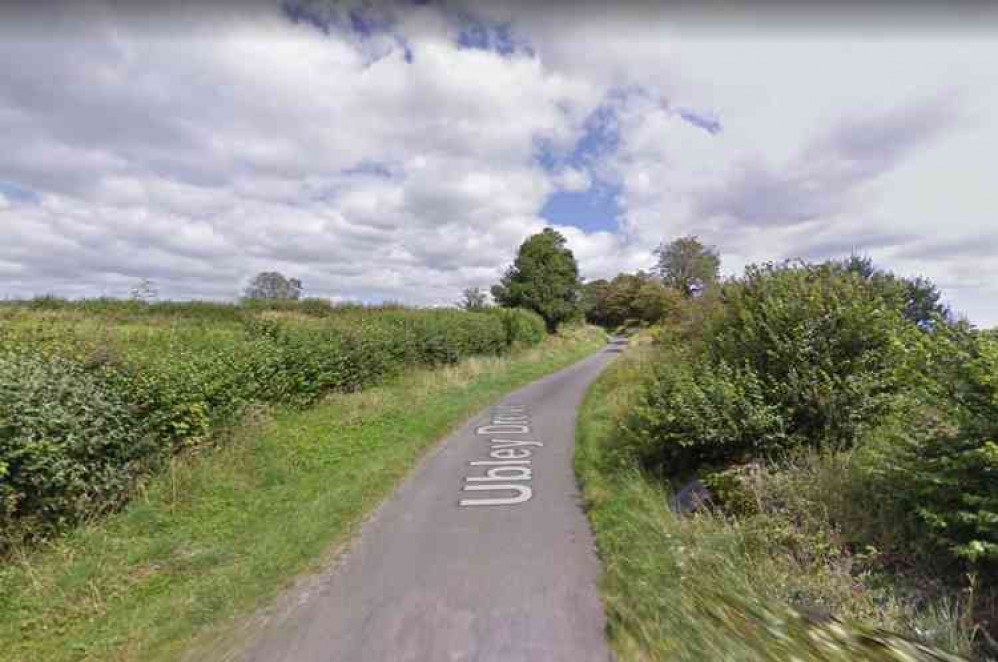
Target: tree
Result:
[474, 298]
[543, 278]
[629, 297]
[273, 285]
[145, 291]
[592, 300]
[654, 302]
[919, 298]
[687, 265]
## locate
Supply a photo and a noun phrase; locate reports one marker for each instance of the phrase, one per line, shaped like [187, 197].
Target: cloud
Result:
[573, 180]
[399, 151]
[275, 145]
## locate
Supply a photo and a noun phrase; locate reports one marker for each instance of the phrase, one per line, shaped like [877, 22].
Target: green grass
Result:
[706, 587]
[219, 535]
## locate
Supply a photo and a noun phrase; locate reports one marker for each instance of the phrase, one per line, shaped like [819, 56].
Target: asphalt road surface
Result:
[483, 554]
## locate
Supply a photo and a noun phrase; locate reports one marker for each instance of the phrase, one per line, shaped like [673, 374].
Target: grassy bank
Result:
[216, 536]
[688, 588]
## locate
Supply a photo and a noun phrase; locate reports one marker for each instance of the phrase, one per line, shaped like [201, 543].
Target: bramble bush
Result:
[693, 414]
[838, 356]
[940, 463]
[828, 350]
[69, 441]
[94, 399]
[793, 355]
[944, 480]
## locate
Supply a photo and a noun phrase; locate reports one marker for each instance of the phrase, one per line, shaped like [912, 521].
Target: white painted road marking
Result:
[510, 460]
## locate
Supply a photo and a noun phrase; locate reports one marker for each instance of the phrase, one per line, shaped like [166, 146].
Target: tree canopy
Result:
[628, 298]
[688, 266]
[474, 298]
[918, 297]
[273, 285]
[543, 278]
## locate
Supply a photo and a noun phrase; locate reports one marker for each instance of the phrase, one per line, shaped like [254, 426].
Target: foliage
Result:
[836, 356]
[938, 459]
[693, 413]
[946, 479]
[108, 310]
[794, 355]
[629, 297]
[474, 298]
[273, 285]
[87, 405]
[828, 351]
[522, 327]
[544, 278]
[70, 442]
[686, 265]
[773, 583]
[918, 298]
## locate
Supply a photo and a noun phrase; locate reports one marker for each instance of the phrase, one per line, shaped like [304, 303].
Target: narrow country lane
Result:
[483, 554]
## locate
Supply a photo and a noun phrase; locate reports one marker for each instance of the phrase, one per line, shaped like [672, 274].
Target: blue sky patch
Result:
[593, 210]
[321, 16]
[15, 193]
[600, 137]
[487, 37]
[363, 22]
[597, 208]
[709, 124]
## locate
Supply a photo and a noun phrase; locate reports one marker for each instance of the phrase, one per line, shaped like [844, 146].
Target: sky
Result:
[403, 150]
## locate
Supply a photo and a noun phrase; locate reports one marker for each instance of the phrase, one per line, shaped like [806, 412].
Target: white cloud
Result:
[201, 152]
[827, 144]
[573, 180]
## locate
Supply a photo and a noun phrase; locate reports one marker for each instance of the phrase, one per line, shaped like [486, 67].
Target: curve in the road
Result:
[483, 554]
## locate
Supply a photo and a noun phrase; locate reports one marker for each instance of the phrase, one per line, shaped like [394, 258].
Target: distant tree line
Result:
[544, 277]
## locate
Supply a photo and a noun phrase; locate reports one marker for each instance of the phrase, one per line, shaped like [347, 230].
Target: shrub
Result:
[522, 327]
[789, 355]
[70, 442]
[947, 479]
[828, 351]
[827, 357]
[692, 413]
[939, 463]
[86, 406]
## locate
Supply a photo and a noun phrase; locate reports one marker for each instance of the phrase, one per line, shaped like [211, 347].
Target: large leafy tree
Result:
[688, 266]
[273, 285]
[543, 278]
[635, 297]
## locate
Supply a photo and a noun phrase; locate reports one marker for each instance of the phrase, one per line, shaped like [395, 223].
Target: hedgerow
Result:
[94, 395]
[832, 357]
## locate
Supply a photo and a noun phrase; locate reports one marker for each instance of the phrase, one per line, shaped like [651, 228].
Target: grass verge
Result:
[706, 587]
[217, 536]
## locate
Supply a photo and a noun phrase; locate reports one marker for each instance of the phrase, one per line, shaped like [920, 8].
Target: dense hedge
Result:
[792, 355]
[85, 409]
[834, 357]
